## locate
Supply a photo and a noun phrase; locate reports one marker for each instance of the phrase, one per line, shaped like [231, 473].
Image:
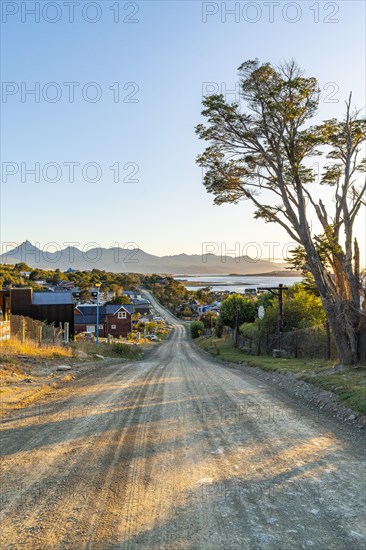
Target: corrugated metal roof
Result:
[88, 319]
[112, 308]
[89, 309]
[52, 298]
[109, 309]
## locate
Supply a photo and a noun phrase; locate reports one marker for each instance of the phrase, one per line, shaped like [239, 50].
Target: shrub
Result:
[250, 330]
[196, 329]
[125, 350]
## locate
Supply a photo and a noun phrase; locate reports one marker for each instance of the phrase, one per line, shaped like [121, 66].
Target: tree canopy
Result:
[230, 306]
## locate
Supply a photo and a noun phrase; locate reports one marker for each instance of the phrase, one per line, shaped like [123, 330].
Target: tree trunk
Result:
[345, 329]
[341, 306]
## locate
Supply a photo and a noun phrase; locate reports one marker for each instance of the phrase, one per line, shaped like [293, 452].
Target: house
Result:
[250, 292]
[65, 285]
[118, 319]
[143, 307]
[50, 307]
[132, 294]
[194, 304]
[206, 308]
[114, 319]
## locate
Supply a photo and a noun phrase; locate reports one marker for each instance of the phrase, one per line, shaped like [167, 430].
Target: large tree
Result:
[263, 153]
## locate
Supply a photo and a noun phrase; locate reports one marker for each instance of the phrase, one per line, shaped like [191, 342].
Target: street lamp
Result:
[97, 327]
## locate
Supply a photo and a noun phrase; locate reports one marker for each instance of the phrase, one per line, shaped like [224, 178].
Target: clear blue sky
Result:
[169, 53]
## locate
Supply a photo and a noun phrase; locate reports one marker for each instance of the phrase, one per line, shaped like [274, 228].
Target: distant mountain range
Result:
[136, 261]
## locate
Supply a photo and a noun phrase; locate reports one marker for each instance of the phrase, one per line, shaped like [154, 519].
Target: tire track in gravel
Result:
[132, 439]
[89, 448]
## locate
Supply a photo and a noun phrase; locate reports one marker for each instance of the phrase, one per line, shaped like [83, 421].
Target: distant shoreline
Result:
[268, 274]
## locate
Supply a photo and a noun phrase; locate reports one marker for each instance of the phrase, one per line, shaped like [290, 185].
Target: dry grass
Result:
[14, 347]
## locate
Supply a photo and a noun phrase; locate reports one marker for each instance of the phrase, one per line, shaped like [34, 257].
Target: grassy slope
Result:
[349, 385]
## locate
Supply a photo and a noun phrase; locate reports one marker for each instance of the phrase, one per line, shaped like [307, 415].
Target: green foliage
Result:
[265, 299]
[229, 307]
[186, 312]
[301, 309]
[84, 280]
[125, 350]
[251, 330]
[22, 266]
[208, 319]
[37, 274]
[170, 293]
[279, 100]
[151, 326]
[122, 299]
[204, 295]
[197, 328]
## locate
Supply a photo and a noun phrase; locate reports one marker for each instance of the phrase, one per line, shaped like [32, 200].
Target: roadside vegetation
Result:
[13, 347]
[126, 351]
[197, 328]
[347, 383]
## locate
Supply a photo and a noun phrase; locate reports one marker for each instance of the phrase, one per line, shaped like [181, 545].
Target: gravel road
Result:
[178, 452]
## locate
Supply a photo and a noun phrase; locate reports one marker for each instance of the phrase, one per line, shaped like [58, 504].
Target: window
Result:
[100, 327]
[90, 328]
[122, 315]
[113, 327]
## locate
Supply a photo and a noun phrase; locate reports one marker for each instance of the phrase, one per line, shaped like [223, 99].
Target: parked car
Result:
[88, 336]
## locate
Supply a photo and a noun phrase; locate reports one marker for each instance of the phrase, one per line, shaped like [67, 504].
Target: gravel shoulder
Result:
[325, 402]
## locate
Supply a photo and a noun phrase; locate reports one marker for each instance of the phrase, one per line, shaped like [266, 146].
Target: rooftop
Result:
[52, 298]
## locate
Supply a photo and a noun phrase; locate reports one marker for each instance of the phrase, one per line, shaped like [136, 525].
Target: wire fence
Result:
[315, 342]
[27, 329]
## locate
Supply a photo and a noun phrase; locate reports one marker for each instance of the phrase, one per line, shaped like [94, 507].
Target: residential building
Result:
[50, 307]
[114, 319]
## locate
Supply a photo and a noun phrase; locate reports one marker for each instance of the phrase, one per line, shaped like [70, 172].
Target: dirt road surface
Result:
[178, 452]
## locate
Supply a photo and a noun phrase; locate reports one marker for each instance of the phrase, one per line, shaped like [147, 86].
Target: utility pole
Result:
[280, 317]
[237, 326]
[280, 290]
[97, 327]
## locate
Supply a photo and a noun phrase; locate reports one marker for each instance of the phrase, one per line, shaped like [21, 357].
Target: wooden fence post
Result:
[66, 332]
[22, 330]
[259, 345]
[39, 334]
